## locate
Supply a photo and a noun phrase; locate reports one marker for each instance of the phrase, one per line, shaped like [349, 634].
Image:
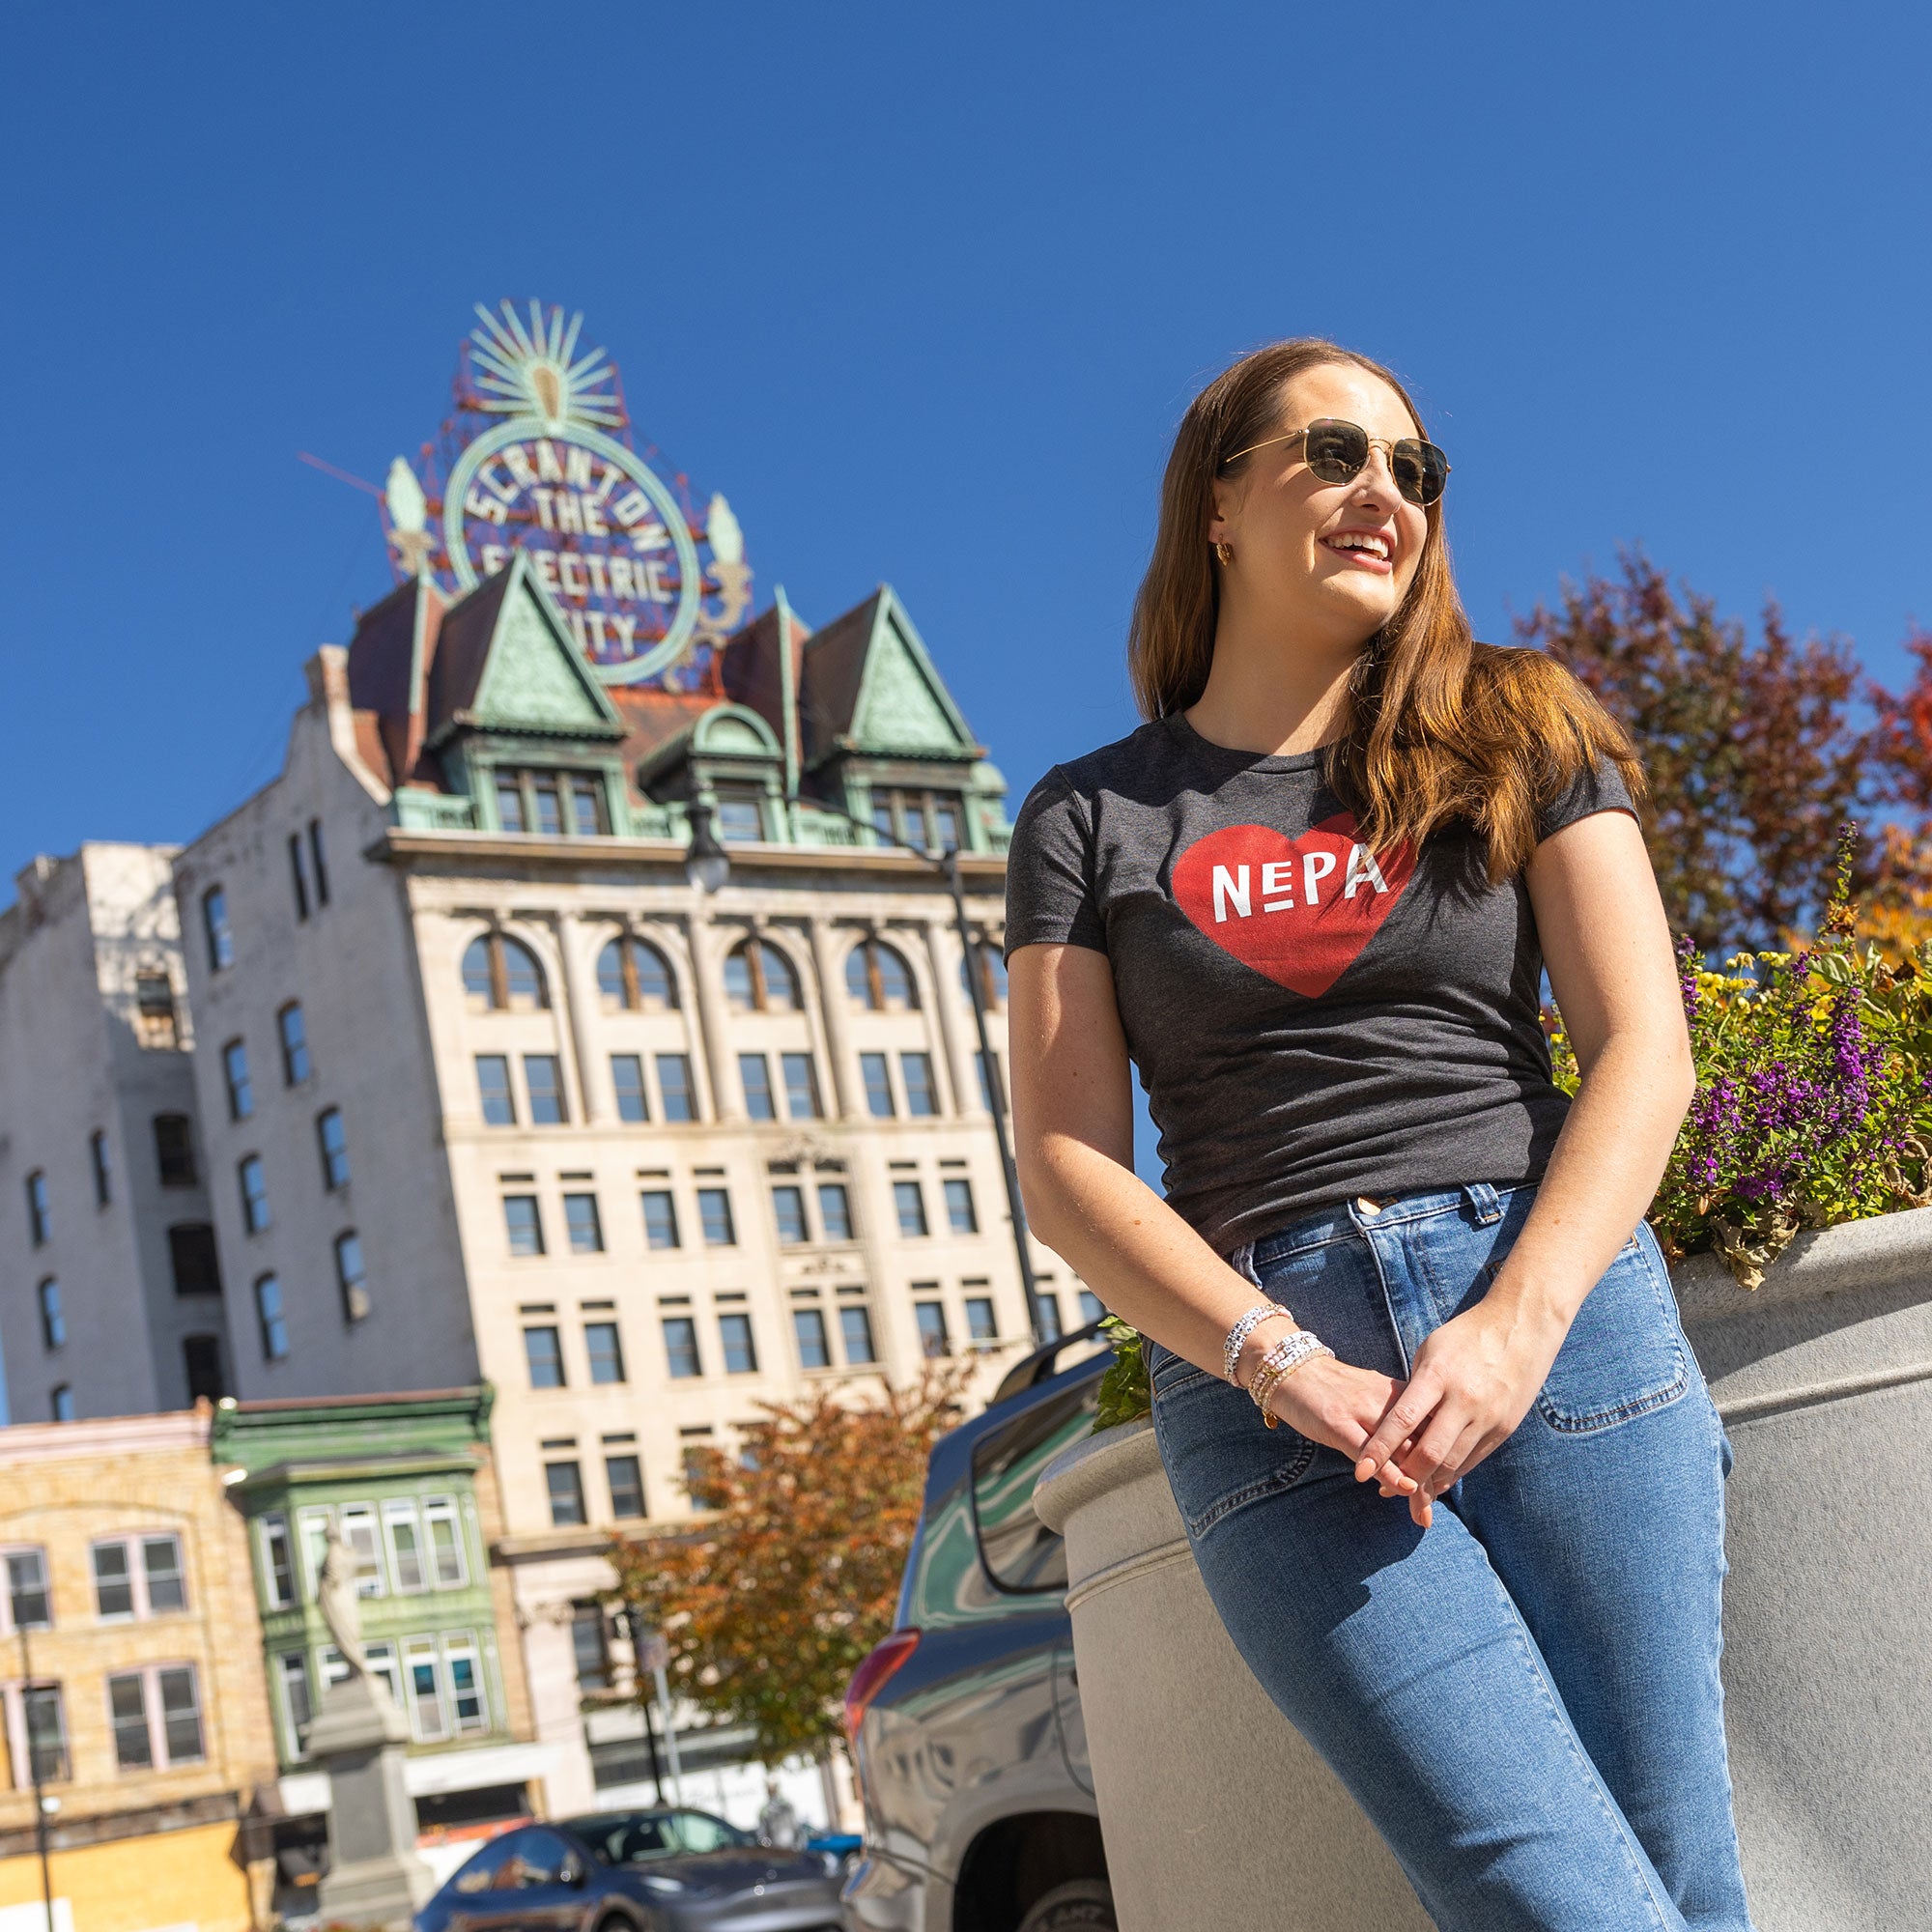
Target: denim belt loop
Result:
[1485, 1200]
[1243, 1261]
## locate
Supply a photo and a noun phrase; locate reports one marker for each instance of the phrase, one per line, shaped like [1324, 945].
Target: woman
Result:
[1472, 1544]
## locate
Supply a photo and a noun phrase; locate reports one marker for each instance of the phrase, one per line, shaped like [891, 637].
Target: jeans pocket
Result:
[1218, 1453]
[1625, 1352]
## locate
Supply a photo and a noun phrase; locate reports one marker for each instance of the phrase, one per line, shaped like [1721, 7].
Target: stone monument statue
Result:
[375, 1877]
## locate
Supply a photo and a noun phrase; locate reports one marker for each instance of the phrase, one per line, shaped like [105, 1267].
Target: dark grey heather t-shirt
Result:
[1310, 1023]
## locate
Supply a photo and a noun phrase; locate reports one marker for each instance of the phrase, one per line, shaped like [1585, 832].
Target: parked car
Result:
[671, 1871]
[965, 1722]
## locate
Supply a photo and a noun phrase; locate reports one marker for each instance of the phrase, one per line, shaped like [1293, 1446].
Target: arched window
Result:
[502, 974]
[879, 980]
[759, 979]
[635, 976]
[992, 975]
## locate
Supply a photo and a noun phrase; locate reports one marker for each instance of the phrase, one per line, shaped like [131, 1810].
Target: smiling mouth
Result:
[1366, 549]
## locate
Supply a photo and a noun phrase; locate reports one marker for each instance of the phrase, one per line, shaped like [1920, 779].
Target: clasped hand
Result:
[1471, 1383]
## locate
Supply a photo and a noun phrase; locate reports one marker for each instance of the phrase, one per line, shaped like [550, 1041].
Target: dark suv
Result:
[965, 1722]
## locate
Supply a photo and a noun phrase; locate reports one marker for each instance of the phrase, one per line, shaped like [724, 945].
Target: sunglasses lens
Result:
[1336, 450]
[1421, 470]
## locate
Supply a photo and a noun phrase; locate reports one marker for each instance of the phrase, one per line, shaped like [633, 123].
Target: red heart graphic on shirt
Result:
[1297, 910]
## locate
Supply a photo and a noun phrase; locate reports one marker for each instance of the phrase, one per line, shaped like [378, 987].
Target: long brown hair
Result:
[1440, 727]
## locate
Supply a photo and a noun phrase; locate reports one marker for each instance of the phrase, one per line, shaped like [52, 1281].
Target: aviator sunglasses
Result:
[1338, 452]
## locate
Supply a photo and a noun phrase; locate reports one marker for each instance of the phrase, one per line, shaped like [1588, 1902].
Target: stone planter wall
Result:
[1824, 1379]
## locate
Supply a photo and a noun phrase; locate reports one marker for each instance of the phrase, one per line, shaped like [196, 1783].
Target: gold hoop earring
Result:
[1225, 550]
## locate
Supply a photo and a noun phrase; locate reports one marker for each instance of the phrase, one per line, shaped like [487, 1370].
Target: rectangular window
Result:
[960, 1216]
[358, 1531]
[44, 1719]
[1091, 1309]
[293, 1668]
[674, 1086]
[1049, 1315]
[660, 1218]
[113, 1581]
[588, 1648]
[627, 1079]
[626, 1477]
[299, 874]
[909, 1199]
[922, 1095]
[492, 1083]
[565, 1483]
[800, 1082]
[466, 1684]
[509, 803]
[428, 1719]
[174, 1149]
[127, 1711]
[181, 1714]
[53, 1323]
[154, 1011]
[254, 1183]
[589, 810]
[352, 1278]
[192, 1259]
[61, 1399]
[314, 1527]
[278, 1564]
[814, 1347]
[544, 795]
[403, 1532]
[789, 1211]
[445, 1542]
[40, 1220]
[269, 1321]
[755, 1075]
[28, 1604]
[214, 927]
[878, 1086]
[235, 1070]
[333, 1141]
[544, 1352]
[583, 1224]
[855, 1330]
[544, 1083]
[103, 1173]
[714, 1216]
[680, 1334]
[834, 1212]
[980, 1322]
[316, 853]
[523, 1224]
[740, 818]
[933, 1340]
[601, 1342]
[295, 1043]
[947, 818]
[741, 1359]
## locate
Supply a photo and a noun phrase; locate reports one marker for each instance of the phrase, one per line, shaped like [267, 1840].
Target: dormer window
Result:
[554, 804]
[740, 814]
[932, 821]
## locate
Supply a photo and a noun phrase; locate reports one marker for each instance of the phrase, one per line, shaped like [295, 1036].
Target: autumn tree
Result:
[769, 1603]
[1753, 758]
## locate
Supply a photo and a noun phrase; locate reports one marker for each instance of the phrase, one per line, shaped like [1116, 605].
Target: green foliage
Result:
[1125, 1393]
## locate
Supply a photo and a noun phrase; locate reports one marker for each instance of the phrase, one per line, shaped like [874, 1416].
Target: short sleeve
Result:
[1601, 789]
[1050, 895]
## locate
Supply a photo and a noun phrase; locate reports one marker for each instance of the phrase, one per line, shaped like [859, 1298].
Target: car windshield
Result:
[635, 1837]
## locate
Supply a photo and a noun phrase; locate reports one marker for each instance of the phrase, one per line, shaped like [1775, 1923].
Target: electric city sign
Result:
[537, 456]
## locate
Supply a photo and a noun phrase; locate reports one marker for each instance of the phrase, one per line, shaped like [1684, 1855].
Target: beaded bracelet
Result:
[1278, 1364]
[1231, 1354]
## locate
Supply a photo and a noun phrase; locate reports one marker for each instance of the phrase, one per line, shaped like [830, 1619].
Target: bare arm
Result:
[1073, 1123]
[1607, 946]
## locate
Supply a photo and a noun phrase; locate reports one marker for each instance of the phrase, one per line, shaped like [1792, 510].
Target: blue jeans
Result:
[1524, 1699]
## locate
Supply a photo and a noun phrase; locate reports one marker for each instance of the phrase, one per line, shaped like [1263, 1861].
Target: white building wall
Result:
[73, 1064]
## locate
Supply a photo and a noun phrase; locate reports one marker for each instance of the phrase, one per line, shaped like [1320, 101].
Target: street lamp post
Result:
[34, 1773]
[708, 865]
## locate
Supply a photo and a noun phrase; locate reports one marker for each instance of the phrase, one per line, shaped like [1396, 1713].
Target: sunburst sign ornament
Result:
[539, 458]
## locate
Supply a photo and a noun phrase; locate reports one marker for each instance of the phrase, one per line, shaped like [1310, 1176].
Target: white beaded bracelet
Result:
[1231, 1354]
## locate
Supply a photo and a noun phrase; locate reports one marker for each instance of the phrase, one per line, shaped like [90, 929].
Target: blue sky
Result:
[924, 291]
